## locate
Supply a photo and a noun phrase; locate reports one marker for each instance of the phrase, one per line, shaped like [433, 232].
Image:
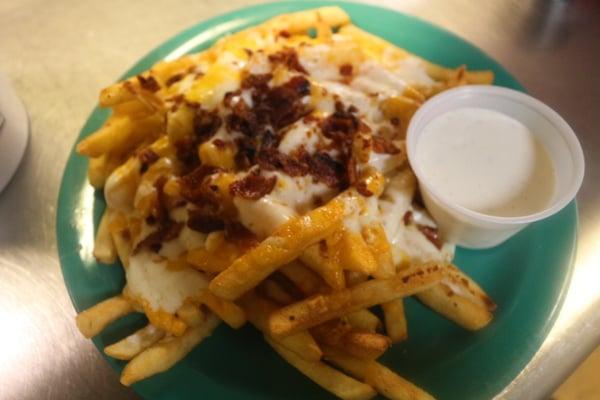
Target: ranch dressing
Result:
[487, 162]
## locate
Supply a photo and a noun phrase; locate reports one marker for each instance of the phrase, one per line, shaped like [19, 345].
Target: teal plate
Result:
[527, 276]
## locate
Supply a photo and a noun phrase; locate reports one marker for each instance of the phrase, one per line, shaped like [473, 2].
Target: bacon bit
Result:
[201, 221]
[206, 124]
[341, 125]
[352, 171]
[174, 79]
[282, 103]
[238, 233]
[246, 154]
[432, 234]
[362, 188]
[253, 186]
[284, 34]
[256, 81]
[248, 52]
[147, 157]
[384, 145]
[155, 240]
[326, 170]
[289, 58]
[160, 211]
[408, 218]
[346, 70]
[395, 121]
[192, 188]
[150, 84]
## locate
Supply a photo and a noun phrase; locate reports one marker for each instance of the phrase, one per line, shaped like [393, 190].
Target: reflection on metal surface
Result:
[59, 84]
[84, 223]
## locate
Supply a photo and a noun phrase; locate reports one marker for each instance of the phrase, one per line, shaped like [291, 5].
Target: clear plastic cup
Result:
[473, 229]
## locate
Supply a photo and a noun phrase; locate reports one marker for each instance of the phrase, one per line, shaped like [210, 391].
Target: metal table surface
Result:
[59, 54]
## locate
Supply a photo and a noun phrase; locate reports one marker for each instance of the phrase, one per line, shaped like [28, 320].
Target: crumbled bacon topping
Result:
[206, 124]
[432, 234]
[148, 83]
[174, 79]
[384, 145]
[147, 157]
[289, 58]
[253, 186]
[346, 70]
[201, 221]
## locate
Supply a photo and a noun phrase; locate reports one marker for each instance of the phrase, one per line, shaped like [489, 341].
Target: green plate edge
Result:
[445, 360]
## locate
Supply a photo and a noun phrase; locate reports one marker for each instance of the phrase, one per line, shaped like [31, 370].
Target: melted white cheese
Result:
[163, 288]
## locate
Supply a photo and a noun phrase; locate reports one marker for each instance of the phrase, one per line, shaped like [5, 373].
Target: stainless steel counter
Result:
[60, 53]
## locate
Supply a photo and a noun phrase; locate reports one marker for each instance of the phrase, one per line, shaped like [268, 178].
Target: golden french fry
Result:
[320, 308]
[135, 343]
[362, 344]
[118, 93]
[379, 245]
[164, 320]
[395, 320]
[217, 156]
[229, 312]
[104, 248]
[191, 314]
[166, 353]
[442, 299]
[364, 320]
[306, 280]
[286, 244]
[323, 375]
[356, 255]
[385, 381]
[123, 246]
[273, 291]
[93, 320]
[116, 130]
[330, 270]
[354, 278]
[302, 21]
[258, 310]
[213, 261]
[467, 287]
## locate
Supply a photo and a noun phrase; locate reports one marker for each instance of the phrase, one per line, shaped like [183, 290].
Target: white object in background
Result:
[13, 132]
[473, 229]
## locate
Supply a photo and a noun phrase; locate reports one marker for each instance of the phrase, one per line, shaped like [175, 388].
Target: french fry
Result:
[93, 320]
[191, 314]
[362, 344]
[306, 280]
[354, 278]
[104, 248]
[319, 308]
[116, 94]
[229, 312]
[213, 261]
[379, 245]
[286, 244]
[395, 320]
[135, 343]
[302, 21]
[356, 255]
[164, 320]
[364, 320]
[273, 291]
[258, 310]
[331, 271]
[164, 354]
[123, 245]
[385, 381]
[323, 375]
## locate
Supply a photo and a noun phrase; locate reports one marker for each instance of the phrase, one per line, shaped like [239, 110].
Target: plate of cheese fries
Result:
[241, 218]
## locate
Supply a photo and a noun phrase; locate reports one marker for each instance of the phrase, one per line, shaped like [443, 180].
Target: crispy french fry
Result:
[442, 299]
[306, 280]
[273, 291]
[395, 320]
[258, 310]
[191, 314]
[300, 22]
[362, 344]
[123, 246]
[135, 343]
[379, 245]
[286, 244]
[364, 320]
[164, 354]
[93, 320]
[164, 320]
[213, 262]
[229, 312]
[331, 271]
[323, 375]
[356, 255]
[118, 93]
[385, 381]
[354, 278]
[320, 308]
[104, 248]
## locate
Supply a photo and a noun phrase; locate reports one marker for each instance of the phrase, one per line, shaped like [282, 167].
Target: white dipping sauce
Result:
[487, 162]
